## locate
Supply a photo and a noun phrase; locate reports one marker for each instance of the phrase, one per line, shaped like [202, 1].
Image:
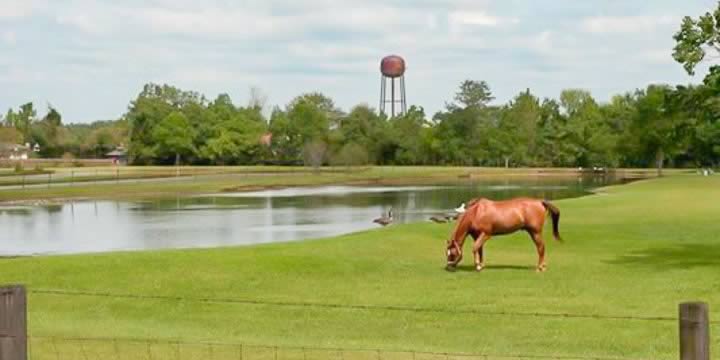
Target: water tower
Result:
[392, 68]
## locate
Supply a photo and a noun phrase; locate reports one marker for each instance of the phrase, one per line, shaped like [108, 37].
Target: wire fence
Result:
[92, 348]
[345, 306]
[86, 348]
[118, 174]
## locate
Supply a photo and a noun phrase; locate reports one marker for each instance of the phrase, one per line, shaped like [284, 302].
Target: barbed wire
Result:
[348, 306]
[242, 348]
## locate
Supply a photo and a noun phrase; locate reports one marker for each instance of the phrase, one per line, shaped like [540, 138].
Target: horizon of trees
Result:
[660, 125]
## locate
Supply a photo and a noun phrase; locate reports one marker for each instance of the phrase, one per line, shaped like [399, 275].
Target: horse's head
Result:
[453, 253]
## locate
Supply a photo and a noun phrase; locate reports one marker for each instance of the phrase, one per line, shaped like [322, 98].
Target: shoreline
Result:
[395, 176]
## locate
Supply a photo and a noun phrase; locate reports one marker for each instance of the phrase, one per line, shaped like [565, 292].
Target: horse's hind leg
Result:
[540, 245]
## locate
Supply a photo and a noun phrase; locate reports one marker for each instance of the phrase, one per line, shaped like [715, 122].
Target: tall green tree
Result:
[519, 122]
[591, 139]
[173, 137]
[153, 105]
[364, 128]
[409, 133]
[24, 120]
[308, 121]
[472, 93]
[660, 127]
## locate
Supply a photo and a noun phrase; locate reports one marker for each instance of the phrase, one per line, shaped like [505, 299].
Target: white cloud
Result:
[330, 51]
[246, 21]
[8, 37]
[210, 21]
[626, 24]
[331, 46]
[657, 56]
[460, 20]
[81, 21]
[11, 9]
[542, 42]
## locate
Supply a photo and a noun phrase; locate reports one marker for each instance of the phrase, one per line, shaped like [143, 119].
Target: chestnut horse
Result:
[485, 218]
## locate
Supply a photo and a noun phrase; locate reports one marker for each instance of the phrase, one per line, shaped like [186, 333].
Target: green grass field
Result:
[631, 251]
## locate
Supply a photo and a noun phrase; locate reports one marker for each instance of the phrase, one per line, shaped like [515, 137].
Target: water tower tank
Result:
[392, 66]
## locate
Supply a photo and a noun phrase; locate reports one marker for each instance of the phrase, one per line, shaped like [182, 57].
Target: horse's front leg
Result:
[478, 251]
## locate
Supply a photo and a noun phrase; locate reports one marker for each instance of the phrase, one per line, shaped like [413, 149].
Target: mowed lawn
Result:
[631, 251]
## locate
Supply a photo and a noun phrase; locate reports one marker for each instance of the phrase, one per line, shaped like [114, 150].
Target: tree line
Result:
[660, 125]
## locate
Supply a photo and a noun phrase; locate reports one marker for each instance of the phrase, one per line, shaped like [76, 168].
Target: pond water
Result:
[249, 218]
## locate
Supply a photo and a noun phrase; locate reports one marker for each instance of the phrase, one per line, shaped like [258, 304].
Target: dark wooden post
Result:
[13, 323]
[694, 331]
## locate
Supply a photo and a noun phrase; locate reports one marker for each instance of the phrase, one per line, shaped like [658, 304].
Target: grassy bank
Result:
[632, 253]
[160, 181]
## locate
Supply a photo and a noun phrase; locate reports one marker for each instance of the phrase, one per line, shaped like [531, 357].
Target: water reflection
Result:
[247, 218]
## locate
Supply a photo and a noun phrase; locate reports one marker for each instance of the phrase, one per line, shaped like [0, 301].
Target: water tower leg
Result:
[382, 93]
[403, 99]
[392, 96]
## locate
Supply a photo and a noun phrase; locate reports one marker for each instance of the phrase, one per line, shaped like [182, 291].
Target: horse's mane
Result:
[463, 225]
[474, 201]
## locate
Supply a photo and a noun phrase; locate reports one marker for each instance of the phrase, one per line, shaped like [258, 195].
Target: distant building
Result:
[15, 151]
[118, 156]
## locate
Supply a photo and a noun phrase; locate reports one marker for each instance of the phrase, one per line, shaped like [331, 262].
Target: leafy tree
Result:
[173, 136]
[518, 129]
[53, 117]
[307, 121]
[696, 38]
[408, 132]
[235, 140]
[364, 127]
[591, 139]
[472, 93]
[322, 103]
[46, 134]
[702, 105]
[9, 119]
[24, 119]
[10, 136]
[351, 154]
[153, 105]
[314, 153]
[659, 126]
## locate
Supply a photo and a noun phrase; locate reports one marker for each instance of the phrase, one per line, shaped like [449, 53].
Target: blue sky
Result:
[89, 58]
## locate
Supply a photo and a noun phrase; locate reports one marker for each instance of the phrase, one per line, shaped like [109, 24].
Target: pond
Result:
[231, 219]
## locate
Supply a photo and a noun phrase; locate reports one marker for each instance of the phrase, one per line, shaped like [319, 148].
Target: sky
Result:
[90, 58]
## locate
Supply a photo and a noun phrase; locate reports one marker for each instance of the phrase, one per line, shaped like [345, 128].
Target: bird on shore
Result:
[460, 209]
[385, 220]
[439, 219]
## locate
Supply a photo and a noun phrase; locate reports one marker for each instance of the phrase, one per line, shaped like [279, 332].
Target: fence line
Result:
[349, 306]
[244, 348]
[120, 174]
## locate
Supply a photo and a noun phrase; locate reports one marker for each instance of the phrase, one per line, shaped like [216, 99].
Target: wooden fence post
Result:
[694, 331]
[13, 323]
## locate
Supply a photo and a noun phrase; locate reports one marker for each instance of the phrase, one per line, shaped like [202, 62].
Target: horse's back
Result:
[506, 216]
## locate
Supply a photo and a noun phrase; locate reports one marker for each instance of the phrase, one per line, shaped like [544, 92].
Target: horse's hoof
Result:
[479, 267]
[540, 269]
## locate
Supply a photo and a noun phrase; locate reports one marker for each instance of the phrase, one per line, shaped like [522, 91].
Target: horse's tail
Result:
[555, 214]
